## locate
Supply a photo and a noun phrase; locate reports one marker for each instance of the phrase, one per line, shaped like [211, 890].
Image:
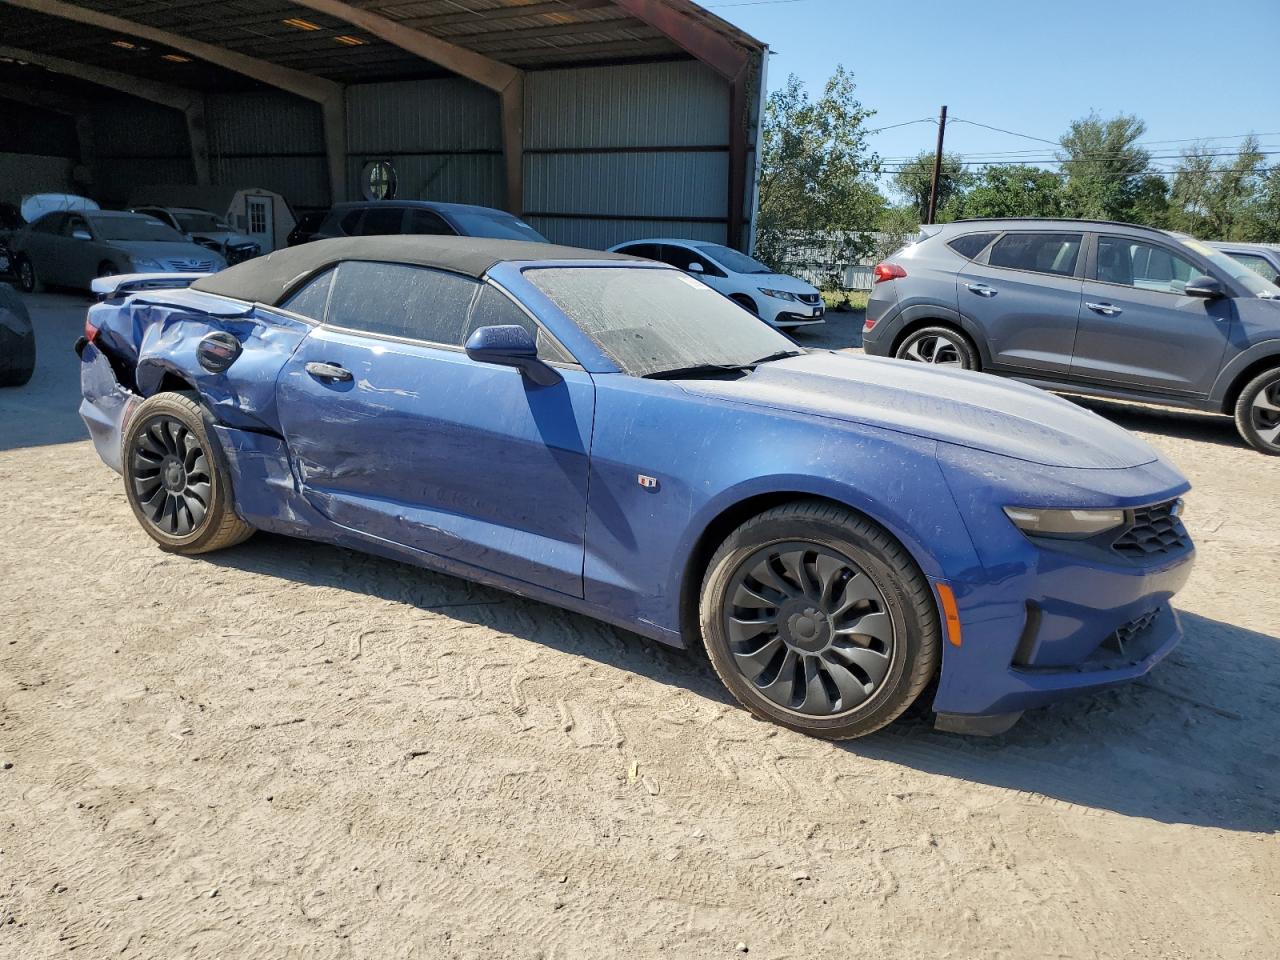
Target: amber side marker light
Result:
[950, 613]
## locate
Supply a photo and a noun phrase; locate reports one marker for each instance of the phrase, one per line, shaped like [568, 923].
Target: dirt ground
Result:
[292, 751]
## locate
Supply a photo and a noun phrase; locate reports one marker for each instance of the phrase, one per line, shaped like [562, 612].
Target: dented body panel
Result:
[598, 493]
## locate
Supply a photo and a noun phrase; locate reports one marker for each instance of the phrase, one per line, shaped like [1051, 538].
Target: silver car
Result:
[70, 248]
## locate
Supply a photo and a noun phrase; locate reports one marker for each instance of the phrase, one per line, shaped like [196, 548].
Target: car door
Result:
[77, 259]
[1023, 293]
[1138, 327]
[397, 434]
[38, 242]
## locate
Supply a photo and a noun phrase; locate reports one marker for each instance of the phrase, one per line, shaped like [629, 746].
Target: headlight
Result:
[144, 265]
[779, 294]
[1068, 524]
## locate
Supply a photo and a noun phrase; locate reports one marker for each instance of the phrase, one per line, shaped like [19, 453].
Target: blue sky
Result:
[1189, 69]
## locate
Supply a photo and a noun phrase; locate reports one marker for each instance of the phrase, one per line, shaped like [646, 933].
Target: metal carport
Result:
[598, 120]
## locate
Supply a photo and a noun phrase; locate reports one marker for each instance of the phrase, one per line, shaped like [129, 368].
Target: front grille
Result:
[810, 298]
[1153, 531]
[188, 265]
[1131, 629]
[1114, 651]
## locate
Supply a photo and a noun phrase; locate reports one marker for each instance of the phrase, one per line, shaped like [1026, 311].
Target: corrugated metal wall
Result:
[137, 142]
[269, 139]
[444, 138]
[608, 144]
[611, 152]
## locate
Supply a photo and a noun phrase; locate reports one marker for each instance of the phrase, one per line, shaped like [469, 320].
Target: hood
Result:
[224, 237]
[973, 410]
[163, 250]
[779, 281]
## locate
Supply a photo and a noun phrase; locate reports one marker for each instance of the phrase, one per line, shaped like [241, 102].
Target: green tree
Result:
[1104, 167]
[914, 180]
[1262, 222]
[1014, 191]
[816, 171]
[1220, 200]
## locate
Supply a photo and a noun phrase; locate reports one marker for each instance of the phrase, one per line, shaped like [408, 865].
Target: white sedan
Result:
[777, 299]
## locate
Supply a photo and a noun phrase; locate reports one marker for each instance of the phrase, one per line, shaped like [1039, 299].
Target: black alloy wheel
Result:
[808, 628]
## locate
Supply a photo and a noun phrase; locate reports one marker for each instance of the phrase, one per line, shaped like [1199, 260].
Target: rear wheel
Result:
[1258, 412]
[176, 479]
[27, 278]
[817, 619]
[941, 346]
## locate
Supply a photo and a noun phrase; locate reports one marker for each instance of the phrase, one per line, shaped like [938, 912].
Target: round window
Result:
[378, 180]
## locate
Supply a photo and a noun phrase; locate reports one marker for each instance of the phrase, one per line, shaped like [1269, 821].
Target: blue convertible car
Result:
[612, 436]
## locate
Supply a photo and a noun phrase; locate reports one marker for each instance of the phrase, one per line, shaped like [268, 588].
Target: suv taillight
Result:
[888, 271]
[90, 331]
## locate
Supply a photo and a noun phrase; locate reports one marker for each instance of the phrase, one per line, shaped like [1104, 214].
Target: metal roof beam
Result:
[693, 37]
[328, 94]
[504, 79]
[189, 102]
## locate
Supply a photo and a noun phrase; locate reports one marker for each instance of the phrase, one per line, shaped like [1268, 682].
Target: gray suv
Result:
[1087, 307]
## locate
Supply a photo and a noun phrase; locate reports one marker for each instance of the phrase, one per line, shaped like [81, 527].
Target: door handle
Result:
[981, 289]
[1106, 309]
[328, 372]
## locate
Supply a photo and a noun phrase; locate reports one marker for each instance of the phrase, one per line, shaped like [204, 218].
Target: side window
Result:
[401, 301]
[682, 257]
[381, 221]
[425, 222]
[493, 308]
[1054, 253]
[971, 244]
[49, 223]
[647, 250]
[1143, 266]
[350, 223]
[1258, 265]
[311, 299]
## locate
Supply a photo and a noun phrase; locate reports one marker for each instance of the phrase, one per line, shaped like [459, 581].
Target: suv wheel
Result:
[941, 346]
[1258, 412]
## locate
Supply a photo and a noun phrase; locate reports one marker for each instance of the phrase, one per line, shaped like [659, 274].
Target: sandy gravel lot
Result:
[292, 751]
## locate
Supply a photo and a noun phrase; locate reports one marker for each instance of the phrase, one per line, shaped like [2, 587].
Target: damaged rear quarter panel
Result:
[161, 336]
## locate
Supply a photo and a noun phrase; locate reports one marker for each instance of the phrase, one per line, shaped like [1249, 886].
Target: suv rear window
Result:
[971, 244]
[1054, 253]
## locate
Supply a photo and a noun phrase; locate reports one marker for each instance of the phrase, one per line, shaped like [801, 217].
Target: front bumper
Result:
[789, 314]
[1042, 621]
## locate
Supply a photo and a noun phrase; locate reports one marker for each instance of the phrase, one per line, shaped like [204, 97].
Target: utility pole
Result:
[937, 167]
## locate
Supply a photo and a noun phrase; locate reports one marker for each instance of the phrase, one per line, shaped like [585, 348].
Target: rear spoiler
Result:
[126, 283]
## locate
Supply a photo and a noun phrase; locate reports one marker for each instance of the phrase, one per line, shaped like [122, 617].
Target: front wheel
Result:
[940, 346]
[176, 479]
[1258, 412]
[817, 619]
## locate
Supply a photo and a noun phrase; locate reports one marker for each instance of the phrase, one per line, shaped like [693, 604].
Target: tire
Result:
[869, 661]
[745, 302]
[28, 280]
[942, 346]
[17, 340]
[185, 508]
[1258, 412]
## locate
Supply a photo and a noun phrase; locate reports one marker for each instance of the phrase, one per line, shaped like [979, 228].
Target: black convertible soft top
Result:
[268, 279]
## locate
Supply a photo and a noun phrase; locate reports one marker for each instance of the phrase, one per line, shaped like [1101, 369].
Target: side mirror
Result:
[511, 346]
[695, 268]
[1206, 287]
[81, 235]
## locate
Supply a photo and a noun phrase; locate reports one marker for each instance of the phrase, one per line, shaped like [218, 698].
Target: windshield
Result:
[1251, 281]
[497, 226]
[651, 321]
[134, 228]
[731, 259]
[199, 222]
